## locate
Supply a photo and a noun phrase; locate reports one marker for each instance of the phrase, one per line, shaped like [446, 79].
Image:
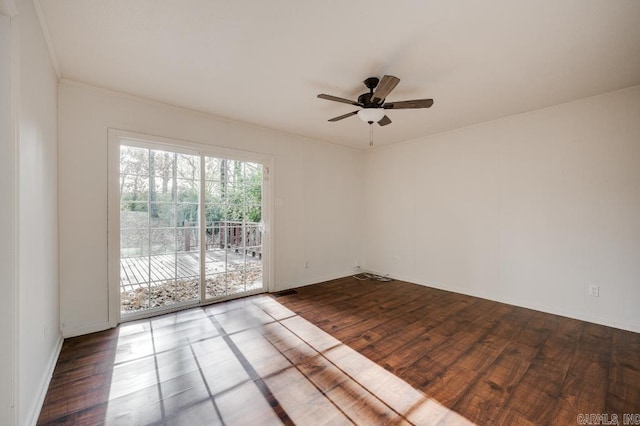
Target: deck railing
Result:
[225, 234]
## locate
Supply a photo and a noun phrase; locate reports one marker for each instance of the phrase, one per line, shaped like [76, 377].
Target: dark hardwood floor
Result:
[348, 351]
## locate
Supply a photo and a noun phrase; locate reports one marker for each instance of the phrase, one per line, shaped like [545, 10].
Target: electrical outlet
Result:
[594, 290]
[306, 264]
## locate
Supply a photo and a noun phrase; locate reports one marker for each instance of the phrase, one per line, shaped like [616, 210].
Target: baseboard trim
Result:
[316, 280]
[608, 322]
[88, 329]
[44, 386]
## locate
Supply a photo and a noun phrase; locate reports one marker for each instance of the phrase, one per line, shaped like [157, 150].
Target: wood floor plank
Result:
[347, 352]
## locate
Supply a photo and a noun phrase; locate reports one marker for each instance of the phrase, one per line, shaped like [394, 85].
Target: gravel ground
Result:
[171, 292]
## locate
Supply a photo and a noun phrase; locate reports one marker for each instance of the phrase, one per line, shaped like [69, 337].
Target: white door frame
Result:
[116, 137]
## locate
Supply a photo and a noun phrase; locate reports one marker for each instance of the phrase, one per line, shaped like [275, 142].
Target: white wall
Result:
[37, 316]
[7, 224]
[317, 194]
[528, 210]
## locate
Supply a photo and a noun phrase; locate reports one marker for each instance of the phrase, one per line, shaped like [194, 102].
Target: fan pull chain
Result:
[370, 133]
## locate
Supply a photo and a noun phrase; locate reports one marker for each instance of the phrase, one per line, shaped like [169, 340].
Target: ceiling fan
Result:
[373, 103]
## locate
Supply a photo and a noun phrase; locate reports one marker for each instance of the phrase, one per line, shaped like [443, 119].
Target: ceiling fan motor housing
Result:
[365, 100]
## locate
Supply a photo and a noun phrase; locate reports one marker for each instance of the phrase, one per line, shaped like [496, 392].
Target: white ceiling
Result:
[264, 62]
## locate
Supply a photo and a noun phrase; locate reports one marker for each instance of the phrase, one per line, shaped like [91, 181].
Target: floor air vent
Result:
[284, 293]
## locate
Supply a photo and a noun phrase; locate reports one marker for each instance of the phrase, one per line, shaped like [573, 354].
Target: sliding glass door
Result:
[190, 228]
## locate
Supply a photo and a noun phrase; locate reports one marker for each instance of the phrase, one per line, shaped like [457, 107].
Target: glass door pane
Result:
[233, 200]
[159, 229]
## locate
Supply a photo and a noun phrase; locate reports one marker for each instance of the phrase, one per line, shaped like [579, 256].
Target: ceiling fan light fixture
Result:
[371, 115]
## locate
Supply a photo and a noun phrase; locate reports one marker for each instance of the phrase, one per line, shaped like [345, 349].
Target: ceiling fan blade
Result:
[386, 85]
[417, 103]
[340, 117]
[337, 99]
[384, 121]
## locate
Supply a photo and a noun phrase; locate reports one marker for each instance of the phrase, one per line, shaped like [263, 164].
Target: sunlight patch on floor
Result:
[254, 360]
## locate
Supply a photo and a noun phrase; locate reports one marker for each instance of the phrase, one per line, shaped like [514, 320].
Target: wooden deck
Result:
[140, 271]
